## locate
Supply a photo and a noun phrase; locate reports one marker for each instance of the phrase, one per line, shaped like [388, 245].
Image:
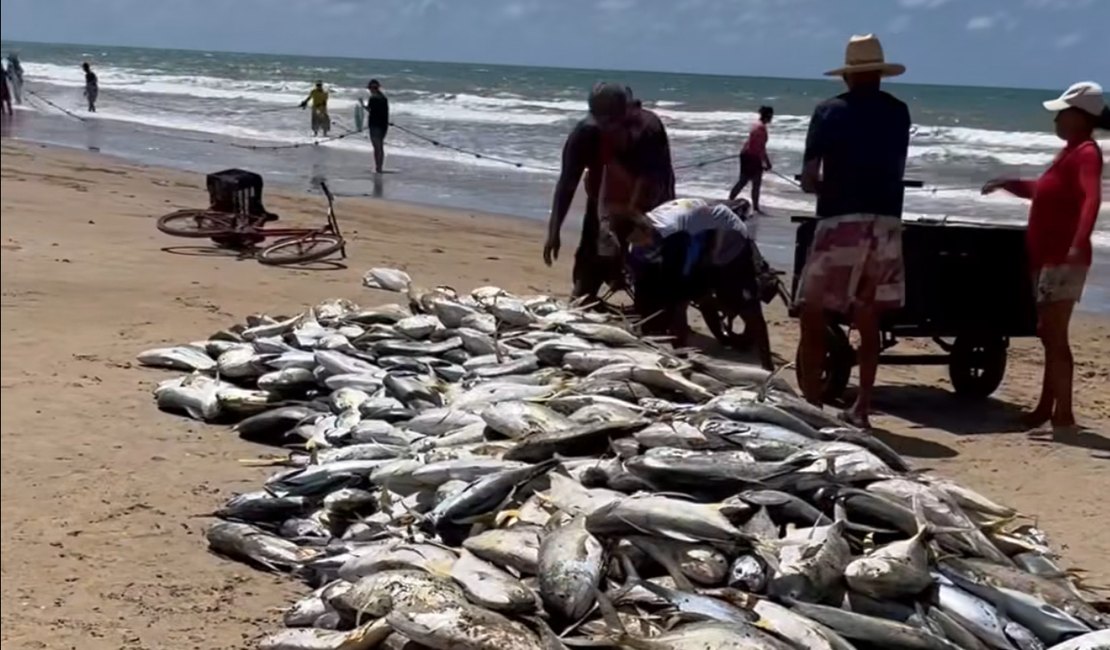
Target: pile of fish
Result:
[490, 471]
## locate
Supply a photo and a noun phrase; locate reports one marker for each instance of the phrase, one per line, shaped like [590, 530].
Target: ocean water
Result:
[207, 110]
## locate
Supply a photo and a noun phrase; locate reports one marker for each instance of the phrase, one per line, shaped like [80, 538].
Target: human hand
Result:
[1074, 257]
[551, 248]
[767, 166]
[993, 185]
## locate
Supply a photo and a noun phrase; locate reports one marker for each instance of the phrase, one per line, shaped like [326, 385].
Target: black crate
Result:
[237, 191]
[961, 279]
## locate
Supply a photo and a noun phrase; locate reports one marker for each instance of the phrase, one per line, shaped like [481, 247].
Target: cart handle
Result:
[905, 182]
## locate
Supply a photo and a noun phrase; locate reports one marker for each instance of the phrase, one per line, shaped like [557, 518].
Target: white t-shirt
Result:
[694, 216]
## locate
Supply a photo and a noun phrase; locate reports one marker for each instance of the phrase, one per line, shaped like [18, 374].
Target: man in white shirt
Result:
[695, 250]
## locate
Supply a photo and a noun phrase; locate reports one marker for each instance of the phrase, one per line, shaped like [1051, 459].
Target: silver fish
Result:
[361, 638]
[487, 586]
[570, 566]
[516, 419]
[516, 548]
[387, 279]
[396, 557]
[880, 632]
[462, 626]
[181, 357]
[811, 562]
[245, 542]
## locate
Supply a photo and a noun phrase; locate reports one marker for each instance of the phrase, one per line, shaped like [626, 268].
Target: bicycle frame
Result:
[244, 225]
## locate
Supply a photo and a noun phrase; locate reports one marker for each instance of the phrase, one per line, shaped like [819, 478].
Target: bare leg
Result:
[1043, 411]
[1057, 318]
[757, 184]
[379, 152]
[738, 187]
[755, 326]
[867, 324]
[811, 351]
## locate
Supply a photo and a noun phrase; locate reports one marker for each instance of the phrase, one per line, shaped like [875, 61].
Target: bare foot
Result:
[858, 420]
[1063, 421]
[1035, 418]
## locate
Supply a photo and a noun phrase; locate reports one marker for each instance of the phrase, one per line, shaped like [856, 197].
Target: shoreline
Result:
[409, 180]
[103, 540]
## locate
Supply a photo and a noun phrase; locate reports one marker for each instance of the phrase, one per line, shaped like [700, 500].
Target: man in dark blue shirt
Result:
[854, 160]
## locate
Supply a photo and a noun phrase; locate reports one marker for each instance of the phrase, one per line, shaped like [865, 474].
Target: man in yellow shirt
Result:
[320, 119]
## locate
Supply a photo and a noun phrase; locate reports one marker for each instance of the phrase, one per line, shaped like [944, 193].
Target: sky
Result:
[1014, 43]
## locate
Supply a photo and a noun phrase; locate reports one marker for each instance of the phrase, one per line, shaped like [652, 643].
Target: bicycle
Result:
[243, 231]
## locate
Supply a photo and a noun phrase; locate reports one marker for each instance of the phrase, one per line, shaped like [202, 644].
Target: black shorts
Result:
[751, 166]
[377, 133]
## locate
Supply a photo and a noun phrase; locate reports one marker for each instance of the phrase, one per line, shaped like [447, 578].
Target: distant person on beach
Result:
[753, 158]
[854, 160]
[377, 122]
[1065, 204]
[624, 152]
[92, 86]
[319, 99]
[5, 95]
[15, 76]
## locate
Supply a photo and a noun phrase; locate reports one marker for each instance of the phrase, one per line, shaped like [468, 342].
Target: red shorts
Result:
[855, 259]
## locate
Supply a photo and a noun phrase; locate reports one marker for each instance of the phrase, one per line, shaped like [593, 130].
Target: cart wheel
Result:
[977, 365]
[301, 249]
[837, 367]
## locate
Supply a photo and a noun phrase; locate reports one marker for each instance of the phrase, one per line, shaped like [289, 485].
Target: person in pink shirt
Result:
[753, 158]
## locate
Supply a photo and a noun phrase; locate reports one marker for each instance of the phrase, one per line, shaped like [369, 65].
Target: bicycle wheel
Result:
[196, 223]
[301, 249]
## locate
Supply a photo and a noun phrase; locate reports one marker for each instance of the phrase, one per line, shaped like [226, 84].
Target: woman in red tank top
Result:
[1065, 204]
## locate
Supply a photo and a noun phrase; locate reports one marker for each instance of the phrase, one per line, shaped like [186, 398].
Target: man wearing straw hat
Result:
[854, 159]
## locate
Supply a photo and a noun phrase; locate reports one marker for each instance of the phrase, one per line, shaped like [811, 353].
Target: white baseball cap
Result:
[1085, 95]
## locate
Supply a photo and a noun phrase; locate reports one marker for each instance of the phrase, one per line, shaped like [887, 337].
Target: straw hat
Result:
[865, 54]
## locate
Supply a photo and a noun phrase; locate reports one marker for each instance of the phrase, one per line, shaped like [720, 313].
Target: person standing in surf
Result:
[15, 76]
[92, 86]
[754, 159]
[320, 119]
[854, 160]
[1065, 203]
[5, 95]
[624, 152]
[377, 122]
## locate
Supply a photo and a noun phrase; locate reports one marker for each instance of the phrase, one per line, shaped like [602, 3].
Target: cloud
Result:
[1058, 4]
[988, 22]
[616, 6]
[922, 4]
[517, 10]
[981, 23]
[899, 24]
[1064, 41]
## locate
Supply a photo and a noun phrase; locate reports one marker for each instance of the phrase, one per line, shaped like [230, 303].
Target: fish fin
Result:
[609, 613]
[765, 385]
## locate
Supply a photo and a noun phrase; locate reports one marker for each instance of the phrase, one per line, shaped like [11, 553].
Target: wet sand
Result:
[102, 543]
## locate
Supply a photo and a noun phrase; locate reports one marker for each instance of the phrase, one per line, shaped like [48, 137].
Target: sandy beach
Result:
[102, 512]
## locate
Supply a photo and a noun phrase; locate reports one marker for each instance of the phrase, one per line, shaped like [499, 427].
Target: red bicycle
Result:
[244, 231]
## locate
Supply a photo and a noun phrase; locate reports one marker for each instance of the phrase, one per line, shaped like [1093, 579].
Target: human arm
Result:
[814, 150]
[575, 158]
[1022, 189]
[1089, 170]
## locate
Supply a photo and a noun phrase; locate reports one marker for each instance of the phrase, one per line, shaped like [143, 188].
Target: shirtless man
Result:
[625, 151]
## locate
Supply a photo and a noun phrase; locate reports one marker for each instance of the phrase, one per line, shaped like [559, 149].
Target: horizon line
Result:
[515, 65]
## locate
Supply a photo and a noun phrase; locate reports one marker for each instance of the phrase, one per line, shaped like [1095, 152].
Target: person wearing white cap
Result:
[854, 159]
[1065, 204]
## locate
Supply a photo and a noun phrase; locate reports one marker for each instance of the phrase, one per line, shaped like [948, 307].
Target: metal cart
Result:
[968, 289]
